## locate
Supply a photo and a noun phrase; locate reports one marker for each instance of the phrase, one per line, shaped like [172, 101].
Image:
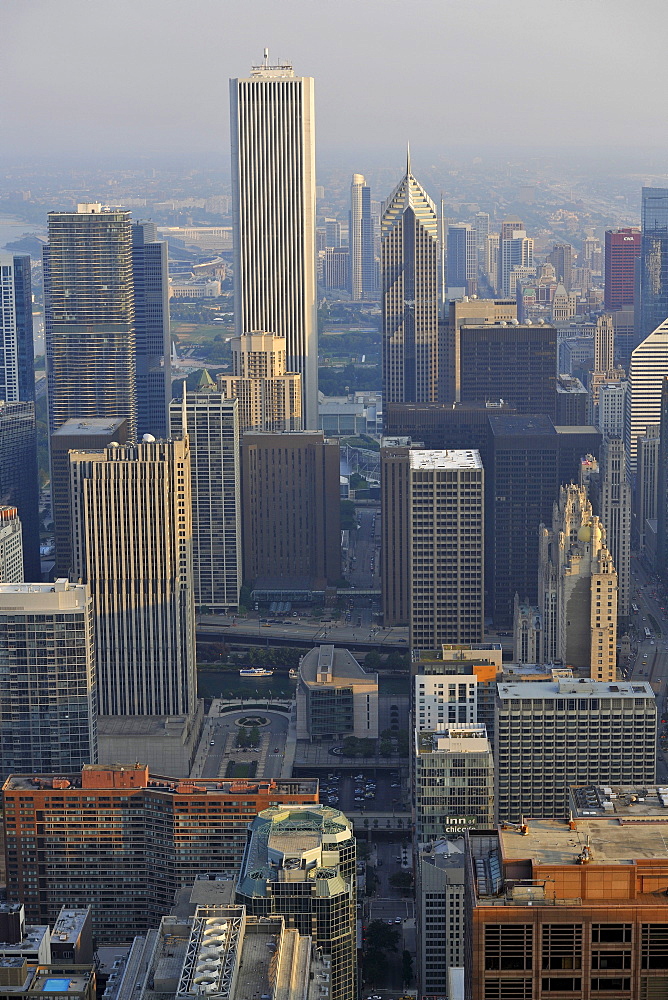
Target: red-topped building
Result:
[622, 246]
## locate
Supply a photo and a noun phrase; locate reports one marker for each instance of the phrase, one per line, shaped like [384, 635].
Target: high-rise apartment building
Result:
[48, 698]
[124, 840]
[440, 892]
[270, 398]
[453, 780]
[410, 293]
[291, 512]
[17, 363]
[622, 249]
[19, 485]
[649, 364]
[90, 316]
[432, 524]
[513, 362]
[77, 435]
[11, 546]
[613, 502]
[561, 258]
[552, 734]
[661, 563]
[300, 863]
[273, 193]
[361, 241]
[441, 699]
[569, 909]
[480, 223]
[132, 543]
[653, 262]
[462, 260]
[577, 588]
[611, 417]
[213, 432]
[150, 277]
[647, 484]
[515, 251]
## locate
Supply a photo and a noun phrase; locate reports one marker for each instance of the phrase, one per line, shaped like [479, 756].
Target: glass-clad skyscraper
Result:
[89, 316]
[152, 332]
[17, 363]
[653, 262]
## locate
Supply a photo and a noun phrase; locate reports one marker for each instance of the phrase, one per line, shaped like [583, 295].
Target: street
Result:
[650, 662]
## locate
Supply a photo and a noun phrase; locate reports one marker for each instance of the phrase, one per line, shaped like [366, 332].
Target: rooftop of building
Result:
[69, 924]
[446, 459]
[610, 842]
[457, 737]
[93, 426]
[628, 803]
[332, 666]
[576, 429]
[579, 687]
[294, 844]
[115, 776]
[33, 935]
[521, 424]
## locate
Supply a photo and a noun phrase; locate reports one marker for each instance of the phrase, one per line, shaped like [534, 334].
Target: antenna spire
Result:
[408, 159]
[266, 57]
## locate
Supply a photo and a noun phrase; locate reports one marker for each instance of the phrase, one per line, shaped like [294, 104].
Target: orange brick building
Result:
[573, 910]
[124, 841]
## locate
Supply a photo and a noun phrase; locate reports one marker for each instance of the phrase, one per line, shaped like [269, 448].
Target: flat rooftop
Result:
[576, 687]
[69, 924]
[455, 459]
[628, 803]
[550, 842]
[472, 738]
[93, 427]
[179, 786]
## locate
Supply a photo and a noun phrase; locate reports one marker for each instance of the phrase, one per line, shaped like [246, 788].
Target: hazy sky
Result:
[89, 75]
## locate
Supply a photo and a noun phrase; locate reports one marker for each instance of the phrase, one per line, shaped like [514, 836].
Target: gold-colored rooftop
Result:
[551, 842]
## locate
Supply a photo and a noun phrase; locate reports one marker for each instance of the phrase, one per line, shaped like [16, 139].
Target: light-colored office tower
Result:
[611, 417]
[150, 275]
[48, 698]
[577, 588]
[527, 632]
[647, 480]
[132, 544]
[515, 250]
[613, 503]
[465, 312]
[361, 241]
[440, 905]
[336, 268]
[605, 735]
[291, 513]
[78, 435]
[273, 192]
[409, 255]
[11, 546]
[605, 372]
[649, 363]
[215, 488]
[89, 316]
[300, 864]
[17, 363]
[270, 397]
[432, 542]
[439, 700]
[453, 780]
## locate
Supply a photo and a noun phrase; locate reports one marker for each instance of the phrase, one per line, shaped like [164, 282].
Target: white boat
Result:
[255, 672]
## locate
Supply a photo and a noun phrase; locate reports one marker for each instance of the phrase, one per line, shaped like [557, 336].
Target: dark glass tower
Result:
[17, 362]
[18, 477]
[151, 288]
[653, 262]
[89, 313]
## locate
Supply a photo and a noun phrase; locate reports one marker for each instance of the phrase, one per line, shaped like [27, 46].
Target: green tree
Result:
[382, 936]
[402, 880]
[372, 660]
[406, 968]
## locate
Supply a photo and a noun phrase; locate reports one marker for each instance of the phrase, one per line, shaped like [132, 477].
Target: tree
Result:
[406, 968]
[402, 880]
[382, 936]
[372, 660]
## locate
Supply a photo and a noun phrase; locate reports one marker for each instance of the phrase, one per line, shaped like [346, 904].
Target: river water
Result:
[13, 229]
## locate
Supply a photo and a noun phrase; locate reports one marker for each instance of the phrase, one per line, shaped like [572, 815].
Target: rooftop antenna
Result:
[408, 159]
[266, 57]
